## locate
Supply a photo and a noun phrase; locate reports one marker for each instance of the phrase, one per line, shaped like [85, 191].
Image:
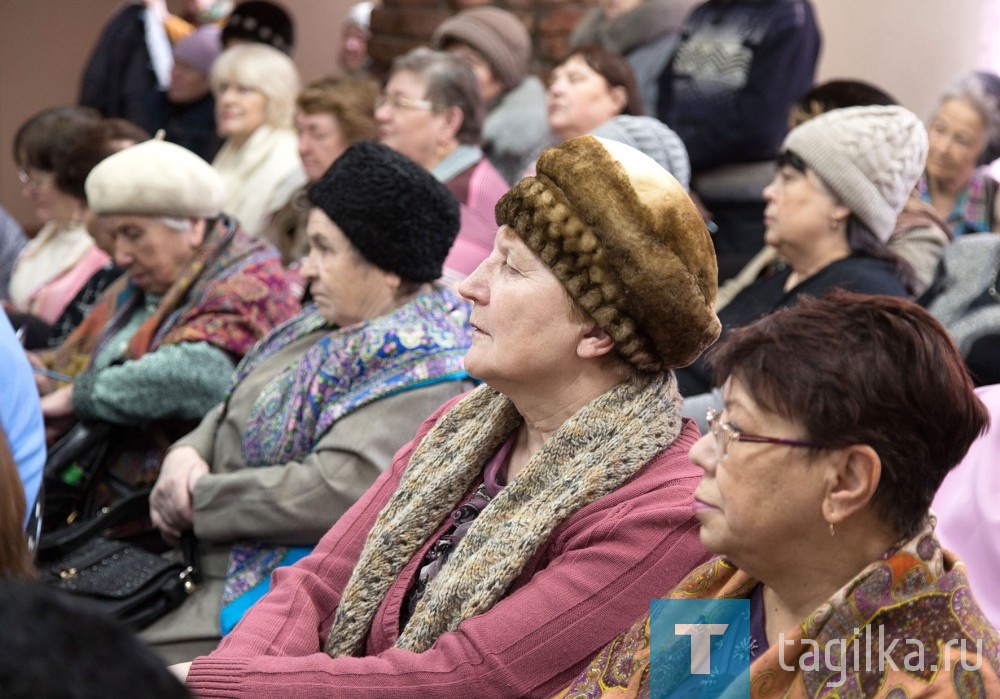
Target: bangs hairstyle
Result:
[450, 83]
[614, 68]
[46, 138]
[348, 99]
[859, 369]
[266, 70]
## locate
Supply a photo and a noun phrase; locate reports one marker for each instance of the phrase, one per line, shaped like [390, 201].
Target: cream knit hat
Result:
[627, 243]
[155, 178]
[869, 157]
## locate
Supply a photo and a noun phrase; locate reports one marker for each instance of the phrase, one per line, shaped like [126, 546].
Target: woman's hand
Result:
[57, 409]
[170, 503]
[44, 384]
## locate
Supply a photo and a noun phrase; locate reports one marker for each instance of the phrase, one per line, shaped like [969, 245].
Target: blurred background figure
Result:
[330, 114]
[644, 31]
[967, 516]
[260, 22]
[186, 111]
[354, 35]
[431, 112]
[62, 256]
[920, 235]
[739, 67]
[497, 47]
[255, 88]
[104, 138]
[589, 87]
[56, 646]
[964, 138]
[15, 558]
[12, 241]
[24, 433]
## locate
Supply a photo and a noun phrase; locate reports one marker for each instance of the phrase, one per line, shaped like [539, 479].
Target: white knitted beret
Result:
[155, 178]
[869, 157]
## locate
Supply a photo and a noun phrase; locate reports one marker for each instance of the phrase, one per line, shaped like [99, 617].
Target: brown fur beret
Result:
[628, 244]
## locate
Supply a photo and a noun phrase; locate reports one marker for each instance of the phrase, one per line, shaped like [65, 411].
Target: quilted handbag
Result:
[126, 581]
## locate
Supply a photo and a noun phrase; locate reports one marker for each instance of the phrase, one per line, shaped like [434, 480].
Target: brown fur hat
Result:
[628, 244]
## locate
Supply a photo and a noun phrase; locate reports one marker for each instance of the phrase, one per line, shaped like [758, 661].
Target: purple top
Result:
[462, 518]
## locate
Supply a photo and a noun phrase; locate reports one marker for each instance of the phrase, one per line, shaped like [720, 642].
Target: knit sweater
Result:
[739, 67]
[598, 569]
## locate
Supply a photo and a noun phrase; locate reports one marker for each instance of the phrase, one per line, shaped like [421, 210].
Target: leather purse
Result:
[125, 581]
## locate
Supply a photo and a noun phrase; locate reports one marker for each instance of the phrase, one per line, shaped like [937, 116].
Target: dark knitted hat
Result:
[397, 215]
[628, 244]
[261, 22]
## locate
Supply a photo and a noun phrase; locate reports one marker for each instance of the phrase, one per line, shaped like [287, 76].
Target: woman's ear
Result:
[619, 98]
[453, 121]
[854, 477]
[594, 342]
[199, 231]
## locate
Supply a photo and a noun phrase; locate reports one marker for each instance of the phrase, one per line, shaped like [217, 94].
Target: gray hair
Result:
[176, 223]
[981, 90]
[450, 83]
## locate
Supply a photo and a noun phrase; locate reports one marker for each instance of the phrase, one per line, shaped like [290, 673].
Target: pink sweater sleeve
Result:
[592, 579]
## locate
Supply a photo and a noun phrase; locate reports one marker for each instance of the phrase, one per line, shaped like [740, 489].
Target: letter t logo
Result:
[701, 644]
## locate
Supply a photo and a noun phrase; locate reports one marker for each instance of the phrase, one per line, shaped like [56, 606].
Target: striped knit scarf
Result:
[593, 453]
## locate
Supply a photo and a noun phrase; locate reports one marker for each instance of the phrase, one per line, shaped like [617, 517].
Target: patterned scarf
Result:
[973, 210]
[419, 344]
[917, 591]
[208, 303]
[594, 452]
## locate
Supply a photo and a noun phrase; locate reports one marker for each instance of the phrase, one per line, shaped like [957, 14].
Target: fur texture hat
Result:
[869, 157]
[261, 22]
[155, 178]
[628, 244]
[397, 215]
[497, 34]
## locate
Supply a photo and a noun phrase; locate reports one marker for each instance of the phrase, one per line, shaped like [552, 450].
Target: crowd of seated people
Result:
[447, 373]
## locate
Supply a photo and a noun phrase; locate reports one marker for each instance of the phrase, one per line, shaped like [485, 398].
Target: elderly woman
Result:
[157, 351]
[320, 406]
[506, 540]
[496, 45]
[431, 112]
[644, 31]
[842, 180]
[59, 260]
[964, 134]
[817, 479]
[255, 87]
[330, 114]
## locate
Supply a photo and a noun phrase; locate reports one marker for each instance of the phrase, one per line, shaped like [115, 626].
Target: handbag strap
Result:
[131, 506]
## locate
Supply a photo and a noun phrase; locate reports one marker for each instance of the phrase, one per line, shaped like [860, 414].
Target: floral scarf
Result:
[916, 591]
[419, 344]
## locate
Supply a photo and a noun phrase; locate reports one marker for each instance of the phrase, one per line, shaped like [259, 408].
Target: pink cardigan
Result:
[479, 226]
[591, 579]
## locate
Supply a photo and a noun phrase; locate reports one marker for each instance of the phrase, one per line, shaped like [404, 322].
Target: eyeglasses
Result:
[34, 183]
[401, 102]
[724, 435]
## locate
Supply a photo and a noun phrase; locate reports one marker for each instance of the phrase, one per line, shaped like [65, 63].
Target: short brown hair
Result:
[859, 369]
[44, 140]
[349, 99]
[614, 68]
[94, 145]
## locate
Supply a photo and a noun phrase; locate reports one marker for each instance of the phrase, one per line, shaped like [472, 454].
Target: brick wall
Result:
[399, 25]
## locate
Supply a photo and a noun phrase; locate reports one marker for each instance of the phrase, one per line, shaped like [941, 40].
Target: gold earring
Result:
[831, 529]
[834, 224]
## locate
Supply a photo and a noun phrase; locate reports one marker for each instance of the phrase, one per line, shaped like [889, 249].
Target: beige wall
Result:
[912, 48]
[44, 44]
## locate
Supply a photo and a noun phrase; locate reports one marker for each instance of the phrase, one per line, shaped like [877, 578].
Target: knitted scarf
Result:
[593, 453]
[419, 344]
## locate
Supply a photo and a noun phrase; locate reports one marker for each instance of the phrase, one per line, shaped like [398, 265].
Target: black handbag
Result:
[125, 581]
